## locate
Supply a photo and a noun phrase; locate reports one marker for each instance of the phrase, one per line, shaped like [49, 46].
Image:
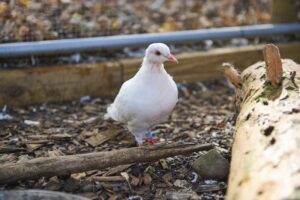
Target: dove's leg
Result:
[149, 138]
[138, 128]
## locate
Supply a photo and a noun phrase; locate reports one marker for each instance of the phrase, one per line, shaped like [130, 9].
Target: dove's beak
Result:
[172, 58]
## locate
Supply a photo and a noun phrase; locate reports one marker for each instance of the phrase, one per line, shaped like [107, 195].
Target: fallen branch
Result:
[64, 165]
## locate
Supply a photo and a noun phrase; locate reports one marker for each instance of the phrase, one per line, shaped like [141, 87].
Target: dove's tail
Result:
[111, 112]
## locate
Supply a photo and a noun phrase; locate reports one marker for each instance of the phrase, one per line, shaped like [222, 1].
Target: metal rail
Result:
[117, 42]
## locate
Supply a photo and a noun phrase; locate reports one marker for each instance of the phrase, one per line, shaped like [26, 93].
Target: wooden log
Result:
[69, 82]
[64, 165]
[265, 154]
[284, 11]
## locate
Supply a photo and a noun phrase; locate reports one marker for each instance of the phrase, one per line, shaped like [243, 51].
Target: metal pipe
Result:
[117, 42]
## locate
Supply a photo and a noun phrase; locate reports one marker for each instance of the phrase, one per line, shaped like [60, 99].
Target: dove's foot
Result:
[149, 138]
[152, 140]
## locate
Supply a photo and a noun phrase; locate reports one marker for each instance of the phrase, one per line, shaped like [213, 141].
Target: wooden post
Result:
[284, 11]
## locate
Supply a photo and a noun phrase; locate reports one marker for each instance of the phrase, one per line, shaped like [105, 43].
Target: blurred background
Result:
[35, 20]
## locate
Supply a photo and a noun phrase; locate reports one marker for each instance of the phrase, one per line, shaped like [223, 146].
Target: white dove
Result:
[149, 97]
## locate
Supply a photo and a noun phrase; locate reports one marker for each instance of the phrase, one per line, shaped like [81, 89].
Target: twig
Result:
[108, 178]
[232, 75]
[51, 137]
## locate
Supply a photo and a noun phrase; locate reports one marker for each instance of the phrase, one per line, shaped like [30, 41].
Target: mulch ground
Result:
[204, 113]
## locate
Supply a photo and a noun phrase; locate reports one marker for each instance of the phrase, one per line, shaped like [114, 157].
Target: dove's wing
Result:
[120, 109]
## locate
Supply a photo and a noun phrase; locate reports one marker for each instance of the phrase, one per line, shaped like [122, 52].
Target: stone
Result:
[212, 165]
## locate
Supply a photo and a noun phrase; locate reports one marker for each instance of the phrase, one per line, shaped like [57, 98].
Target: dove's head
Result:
[159, 53]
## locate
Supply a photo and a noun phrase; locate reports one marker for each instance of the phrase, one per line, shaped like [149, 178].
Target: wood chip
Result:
[135, 181]
[147, 179]
[78, 176]
[33, 147]
[117, 169]
[10, 149]
[163, 163]
[55, 153]
[100, 138]
[168, 179]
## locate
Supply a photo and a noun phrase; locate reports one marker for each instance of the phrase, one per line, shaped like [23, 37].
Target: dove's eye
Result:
[157, 53]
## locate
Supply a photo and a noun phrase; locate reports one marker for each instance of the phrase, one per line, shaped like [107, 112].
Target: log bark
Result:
[64, 165]
[265, 154]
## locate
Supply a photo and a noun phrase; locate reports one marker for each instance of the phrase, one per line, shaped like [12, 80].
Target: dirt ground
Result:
[204, 113]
